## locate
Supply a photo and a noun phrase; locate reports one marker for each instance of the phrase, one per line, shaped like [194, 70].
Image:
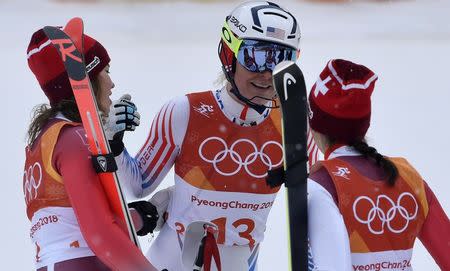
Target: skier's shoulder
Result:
[181, 104]
[403, 164]
[176, 110]
[63, 140]
[199, 95]
[72, 136]
[52, 130]
[175, 105]
[320, 176]
[181, 100]
[202, 92]
[204, 101]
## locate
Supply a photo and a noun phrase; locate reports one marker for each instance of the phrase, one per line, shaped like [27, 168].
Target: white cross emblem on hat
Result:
[321, 87]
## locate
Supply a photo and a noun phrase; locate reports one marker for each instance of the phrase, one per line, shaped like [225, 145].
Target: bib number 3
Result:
[243, 226]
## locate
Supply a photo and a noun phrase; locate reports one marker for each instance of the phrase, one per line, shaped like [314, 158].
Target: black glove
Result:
[275, 177]
[149, 216]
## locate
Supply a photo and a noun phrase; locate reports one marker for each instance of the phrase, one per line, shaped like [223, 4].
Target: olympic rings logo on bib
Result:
[397, 214]
[234, 160]
[33, 178]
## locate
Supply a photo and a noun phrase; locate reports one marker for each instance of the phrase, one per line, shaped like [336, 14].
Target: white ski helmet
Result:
[255, 20]
[262, 20]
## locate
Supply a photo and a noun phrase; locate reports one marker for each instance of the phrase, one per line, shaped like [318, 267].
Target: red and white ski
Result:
[69, 43]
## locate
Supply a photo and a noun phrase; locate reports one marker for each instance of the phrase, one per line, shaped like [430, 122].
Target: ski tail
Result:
[290, 85]
[69, 46]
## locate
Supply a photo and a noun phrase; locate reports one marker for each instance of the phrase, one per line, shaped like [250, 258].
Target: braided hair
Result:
[370, 152]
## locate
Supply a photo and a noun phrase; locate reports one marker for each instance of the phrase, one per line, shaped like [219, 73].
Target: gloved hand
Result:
[152, 211]
[149, 216]
[123, 116]
[276, 177]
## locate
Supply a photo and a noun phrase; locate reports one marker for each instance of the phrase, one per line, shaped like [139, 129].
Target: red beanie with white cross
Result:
[46, 64]
[339, 101]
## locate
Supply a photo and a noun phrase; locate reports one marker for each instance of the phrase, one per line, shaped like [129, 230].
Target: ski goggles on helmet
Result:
[257, 55]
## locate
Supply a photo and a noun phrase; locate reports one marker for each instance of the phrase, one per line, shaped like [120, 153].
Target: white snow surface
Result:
[161, 50]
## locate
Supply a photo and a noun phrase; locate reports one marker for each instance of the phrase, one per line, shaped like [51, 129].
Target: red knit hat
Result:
[339, 101]
[44, 61]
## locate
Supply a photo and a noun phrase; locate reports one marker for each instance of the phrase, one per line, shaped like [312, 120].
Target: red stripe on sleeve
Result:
[151, 135]
[162, 133]
[171, 149]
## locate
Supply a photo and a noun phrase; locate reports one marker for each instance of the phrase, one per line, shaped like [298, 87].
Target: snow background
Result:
[161, 50]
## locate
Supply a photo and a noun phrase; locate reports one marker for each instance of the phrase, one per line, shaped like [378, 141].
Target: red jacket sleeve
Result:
[435, 233]
[98, 225]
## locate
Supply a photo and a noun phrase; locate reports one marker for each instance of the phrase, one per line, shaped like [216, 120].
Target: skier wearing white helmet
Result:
[262, 26]
[221, 144]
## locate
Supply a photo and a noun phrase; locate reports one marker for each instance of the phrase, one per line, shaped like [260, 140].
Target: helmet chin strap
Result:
[257, 107]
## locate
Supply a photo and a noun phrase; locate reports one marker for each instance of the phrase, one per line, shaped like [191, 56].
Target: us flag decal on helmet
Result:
[275, 32]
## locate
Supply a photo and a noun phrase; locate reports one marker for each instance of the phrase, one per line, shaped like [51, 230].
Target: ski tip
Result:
[74, 29]
[282, 65]
[74, 21]
[73, 25]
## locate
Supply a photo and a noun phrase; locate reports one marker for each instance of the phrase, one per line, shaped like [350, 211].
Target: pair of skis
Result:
[69, 43]
[290, 85]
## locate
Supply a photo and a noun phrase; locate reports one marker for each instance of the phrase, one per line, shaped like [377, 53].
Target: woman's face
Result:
[251, 84]
[105, 85]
